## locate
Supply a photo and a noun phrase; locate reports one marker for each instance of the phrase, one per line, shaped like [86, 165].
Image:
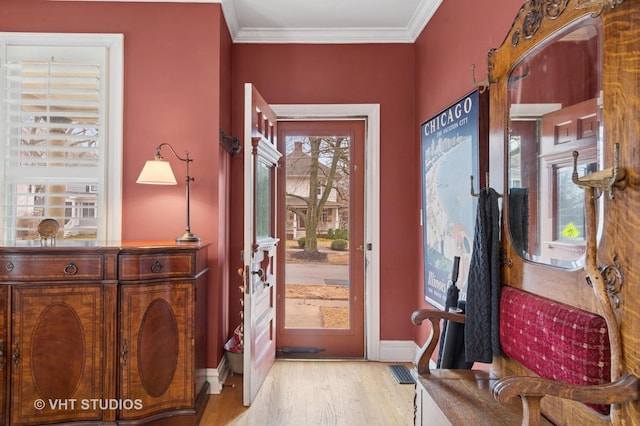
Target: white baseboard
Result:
[398, 351]
[217, 376]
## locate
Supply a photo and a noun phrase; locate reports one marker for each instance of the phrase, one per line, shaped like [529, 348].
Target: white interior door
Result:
[260, 161]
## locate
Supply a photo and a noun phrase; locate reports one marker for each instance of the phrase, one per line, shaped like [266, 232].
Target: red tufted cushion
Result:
[554, 340]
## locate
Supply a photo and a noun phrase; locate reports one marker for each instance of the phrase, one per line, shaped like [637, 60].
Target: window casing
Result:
[61, 127]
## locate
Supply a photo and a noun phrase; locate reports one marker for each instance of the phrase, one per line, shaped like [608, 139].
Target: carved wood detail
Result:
[533, 12]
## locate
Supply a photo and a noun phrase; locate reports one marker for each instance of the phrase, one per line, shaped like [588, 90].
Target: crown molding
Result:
[424, 13]
[231, 17]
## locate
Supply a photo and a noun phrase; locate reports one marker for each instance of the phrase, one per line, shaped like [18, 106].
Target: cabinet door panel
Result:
[156, 362]
[56, 353]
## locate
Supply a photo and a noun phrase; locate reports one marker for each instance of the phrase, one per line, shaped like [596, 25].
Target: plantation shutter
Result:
[54, 153]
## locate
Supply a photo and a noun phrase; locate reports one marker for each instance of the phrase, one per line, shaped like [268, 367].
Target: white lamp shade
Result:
[157, 172]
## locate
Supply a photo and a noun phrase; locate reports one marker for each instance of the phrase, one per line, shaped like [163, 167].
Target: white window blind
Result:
[55, 150]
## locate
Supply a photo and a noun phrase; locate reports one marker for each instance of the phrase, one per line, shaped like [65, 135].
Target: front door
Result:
[259, 253]
[321, 261]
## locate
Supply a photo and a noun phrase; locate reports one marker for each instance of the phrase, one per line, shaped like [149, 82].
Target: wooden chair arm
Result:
[532, 389]
[625, 389]
[434, 316]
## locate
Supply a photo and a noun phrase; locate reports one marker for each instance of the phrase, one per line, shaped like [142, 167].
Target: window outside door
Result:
[321, 292]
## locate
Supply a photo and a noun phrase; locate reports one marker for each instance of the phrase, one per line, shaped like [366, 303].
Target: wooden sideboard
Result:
[103, 334]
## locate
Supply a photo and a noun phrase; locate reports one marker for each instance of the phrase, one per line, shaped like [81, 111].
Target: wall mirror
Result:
[554, 95]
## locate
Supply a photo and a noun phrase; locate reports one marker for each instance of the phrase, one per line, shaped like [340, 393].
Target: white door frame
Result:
[370, 112]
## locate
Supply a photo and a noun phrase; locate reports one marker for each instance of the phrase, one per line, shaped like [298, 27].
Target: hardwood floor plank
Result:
[326, 393]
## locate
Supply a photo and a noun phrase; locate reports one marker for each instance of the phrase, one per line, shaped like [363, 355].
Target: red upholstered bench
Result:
[566, 350]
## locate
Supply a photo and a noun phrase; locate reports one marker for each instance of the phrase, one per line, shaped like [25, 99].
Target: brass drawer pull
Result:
[9, 266]
[156, 267]
[70, 269]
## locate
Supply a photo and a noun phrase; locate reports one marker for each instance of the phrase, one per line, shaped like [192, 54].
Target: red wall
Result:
[458, 35]
[352, 74]
[172, 78]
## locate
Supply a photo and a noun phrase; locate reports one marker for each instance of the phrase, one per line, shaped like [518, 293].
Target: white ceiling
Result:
[321, 21]
[327, 21]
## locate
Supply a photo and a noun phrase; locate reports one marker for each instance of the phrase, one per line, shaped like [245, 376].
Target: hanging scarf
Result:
[482, 334]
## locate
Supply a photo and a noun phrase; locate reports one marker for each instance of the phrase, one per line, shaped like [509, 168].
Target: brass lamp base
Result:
[188, 237]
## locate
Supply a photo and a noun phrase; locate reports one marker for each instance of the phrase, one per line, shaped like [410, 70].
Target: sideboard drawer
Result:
[148, 266]
[41, 267]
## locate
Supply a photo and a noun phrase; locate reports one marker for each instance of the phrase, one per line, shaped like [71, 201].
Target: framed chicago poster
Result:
[453, 148]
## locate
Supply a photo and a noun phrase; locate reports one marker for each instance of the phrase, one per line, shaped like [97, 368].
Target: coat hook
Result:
[486, 181]
[230, 143]
[603, 180]
[481, 85]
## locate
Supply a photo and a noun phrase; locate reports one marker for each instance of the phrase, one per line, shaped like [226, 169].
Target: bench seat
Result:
[464, 397]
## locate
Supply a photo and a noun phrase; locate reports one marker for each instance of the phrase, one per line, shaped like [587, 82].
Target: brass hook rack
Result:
[486, 181]
[603, 180]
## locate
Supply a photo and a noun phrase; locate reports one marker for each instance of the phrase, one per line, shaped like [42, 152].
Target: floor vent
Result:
[402, 374]
[301, 350]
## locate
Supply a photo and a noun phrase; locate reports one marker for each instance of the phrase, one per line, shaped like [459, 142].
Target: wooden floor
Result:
[317, 393]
